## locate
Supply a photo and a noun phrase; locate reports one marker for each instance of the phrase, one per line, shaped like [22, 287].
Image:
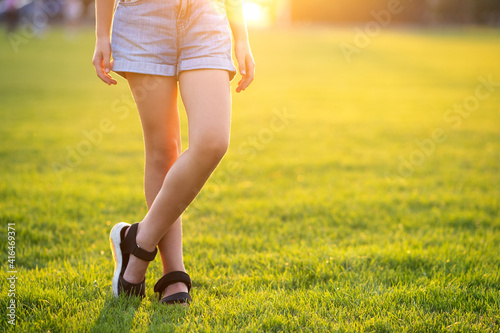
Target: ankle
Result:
[143, 240]
[136, 270]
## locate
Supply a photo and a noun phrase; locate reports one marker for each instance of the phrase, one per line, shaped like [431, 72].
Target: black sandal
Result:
[122, 247]
[171, 278]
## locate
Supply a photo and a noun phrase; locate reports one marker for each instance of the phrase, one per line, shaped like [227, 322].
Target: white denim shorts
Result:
[166, 37]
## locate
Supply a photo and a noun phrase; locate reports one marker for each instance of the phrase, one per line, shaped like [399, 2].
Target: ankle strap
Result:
[129, 245]
[171, 278]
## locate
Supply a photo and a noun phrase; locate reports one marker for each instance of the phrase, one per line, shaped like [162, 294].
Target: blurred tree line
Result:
[413, 11]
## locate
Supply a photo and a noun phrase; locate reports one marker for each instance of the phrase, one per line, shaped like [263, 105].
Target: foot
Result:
[178, 287]
[169, 288]
[124, 248]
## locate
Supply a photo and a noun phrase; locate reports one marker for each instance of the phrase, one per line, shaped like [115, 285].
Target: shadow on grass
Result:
[117, 314]
[125, 314]
[167, 318]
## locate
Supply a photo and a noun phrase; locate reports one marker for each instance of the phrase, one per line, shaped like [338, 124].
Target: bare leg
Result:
[206, 96]
[156, 99]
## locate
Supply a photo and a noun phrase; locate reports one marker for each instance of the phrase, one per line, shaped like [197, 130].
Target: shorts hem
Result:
[207, 63]
[122, 66]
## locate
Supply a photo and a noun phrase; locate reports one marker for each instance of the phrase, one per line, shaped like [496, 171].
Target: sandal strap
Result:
[171, 278]
[132, 289]
[176, 298]
[129, 245]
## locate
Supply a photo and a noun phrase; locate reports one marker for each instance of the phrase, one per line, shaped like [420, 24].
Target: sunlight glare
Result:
[256, 14]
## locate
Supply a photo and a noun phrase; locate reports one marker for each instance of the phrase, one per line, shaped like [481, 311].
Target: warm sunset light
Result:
[256, 14]
[278, 165]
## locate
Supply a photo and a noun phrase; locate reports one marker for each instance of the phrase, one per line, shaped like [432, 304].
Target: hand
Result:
[246, 65]
[102, 61]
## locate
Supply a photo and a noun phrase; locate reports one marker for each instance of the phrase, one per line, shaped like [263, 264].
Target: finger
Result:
[247, 82]
[106, 78]
[113, 81]
[110, 80]
[248, 78]
[107, 66]
[98, 69]
[243, 84]
[101, 71]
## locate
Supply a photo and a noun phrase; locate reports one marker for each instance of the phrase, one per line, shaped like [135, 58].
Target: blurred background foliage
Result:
[285, 12]
[417, 11]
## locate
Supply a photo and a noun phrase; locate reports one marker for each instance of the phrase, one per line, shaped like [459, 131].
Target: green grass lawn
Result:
[373, 206]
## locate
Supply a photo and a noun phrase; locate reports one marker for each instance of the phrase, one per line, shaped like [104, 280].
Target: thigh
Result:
[206, 95]
[156, 100]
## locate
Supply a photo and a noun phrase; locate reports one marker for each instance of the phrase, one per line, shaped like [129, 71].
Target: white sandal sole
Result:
[114, 242]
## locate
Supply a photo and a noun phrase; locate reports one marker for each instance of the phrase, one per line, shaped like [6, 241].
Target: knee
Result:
[163, 155]
[210, 150]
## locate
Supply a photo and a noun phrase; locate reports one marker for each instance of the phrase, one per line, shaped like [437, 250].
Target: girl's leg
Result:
[156, 99]
[206, 96]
